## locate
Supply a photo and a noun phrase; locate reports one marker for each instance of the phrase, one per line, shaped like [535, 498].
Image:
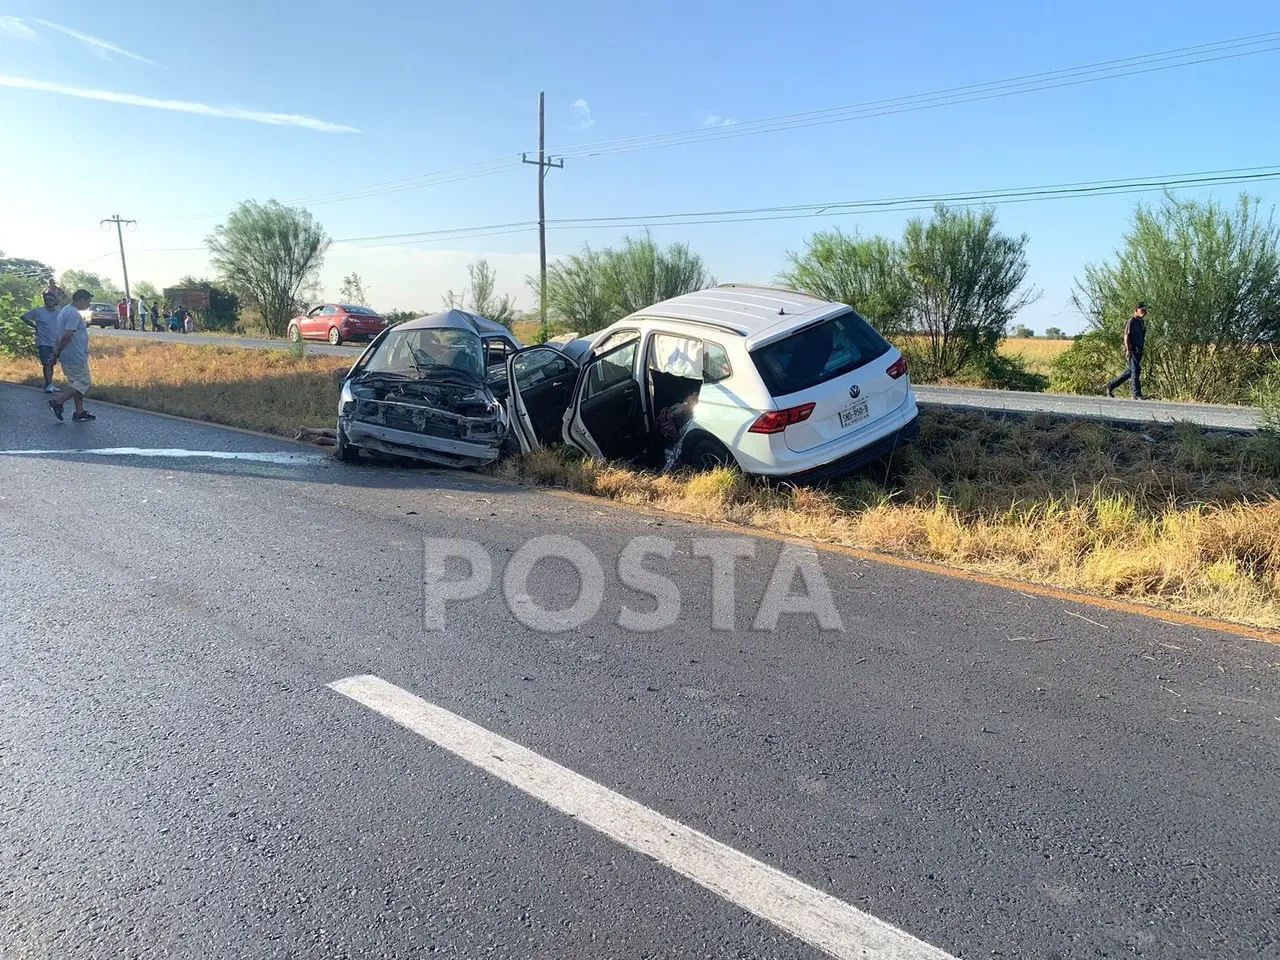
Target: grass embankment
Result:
[1168, 515]
[275, 391]
[1163, 515]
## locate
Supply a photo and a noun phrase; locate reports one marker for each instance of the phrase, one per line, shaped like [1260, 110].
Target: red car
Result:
[336, 322]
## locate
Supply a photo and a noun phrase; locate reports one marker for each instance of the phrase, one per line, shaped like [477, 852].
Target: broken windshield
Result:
[429, 353]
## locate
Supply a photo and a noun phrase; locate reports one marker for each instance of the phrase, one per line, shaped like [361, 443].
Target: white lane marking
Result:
[179, 454]
[807, 913]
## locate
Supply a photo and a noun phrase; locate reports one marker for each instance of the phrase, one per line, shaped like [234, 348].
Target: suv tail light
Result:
[898, 369]
[775, 421]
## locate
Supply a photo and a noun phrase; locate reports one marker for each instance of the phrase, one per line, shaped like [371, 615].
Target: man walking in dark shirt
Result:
[1135, 341]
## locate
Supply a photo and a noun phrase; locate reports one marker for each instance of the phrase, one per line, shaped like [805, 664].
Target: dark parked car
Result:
[421, 390]
[102, 315]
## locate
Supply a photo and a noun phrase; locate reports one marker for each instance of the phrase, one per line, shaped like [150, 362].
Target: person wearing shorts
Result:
[72, 351]
[45, 322]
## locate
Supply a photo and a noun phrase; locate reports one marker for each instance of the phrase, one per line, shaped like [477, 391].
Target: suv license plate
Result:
[854, 414]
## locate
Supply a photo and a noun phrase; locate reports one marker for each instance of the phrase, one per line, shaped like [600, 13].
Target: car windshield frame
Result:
[786, 366]
[428, 352]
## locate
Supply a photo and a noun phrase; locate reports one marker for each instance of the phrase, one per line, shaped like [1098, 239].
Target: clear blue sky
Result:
[429, 86]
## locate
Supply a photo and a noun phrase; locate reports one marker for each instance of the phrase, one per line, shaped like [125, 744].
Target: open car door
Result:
[540, 383]
[608, 418]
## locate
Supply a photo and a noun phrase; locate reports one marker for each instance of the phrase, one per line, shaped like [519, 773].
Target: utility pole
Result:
[123, 265]
[544, 163]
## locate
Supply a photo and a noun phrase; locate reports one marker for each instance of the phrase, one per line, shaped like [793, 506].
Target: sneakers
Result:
[82, 417]
[51, 389]
[56, 408]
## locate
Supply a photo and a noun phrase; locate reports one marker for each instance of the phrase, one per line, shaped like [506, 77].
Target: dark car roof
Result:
[458, 320]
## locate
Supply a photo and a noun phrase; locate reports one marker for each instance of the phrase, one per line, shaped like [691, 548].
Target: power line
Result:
[1014, 194]
[1029, 83]
[997, 197]
[968, 93]
[904, 204]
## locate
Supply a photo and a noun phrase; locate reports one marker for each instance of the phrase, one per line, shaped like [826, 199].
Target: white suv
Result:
[780, 383]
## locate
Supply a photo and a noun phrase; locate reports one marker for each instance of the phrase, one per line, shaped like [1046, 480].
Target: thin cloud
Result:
[582, 113]
[103, 48]
[711, 120]
[14, 27]
[180, 106]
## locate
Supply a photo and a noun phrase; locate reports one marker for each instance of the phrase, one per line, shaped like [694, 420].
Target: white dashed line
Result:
[807, 913]
[177, 454]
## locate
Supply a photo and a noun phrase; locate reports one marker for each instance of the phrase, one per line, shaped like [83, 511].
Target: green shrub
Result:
[1086, 367]
[16, 338]
[996, 371]
[1265, 395]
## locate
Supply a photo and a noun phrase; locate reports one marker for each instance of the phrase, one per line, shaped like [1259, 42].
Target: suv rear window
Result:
[817, 354]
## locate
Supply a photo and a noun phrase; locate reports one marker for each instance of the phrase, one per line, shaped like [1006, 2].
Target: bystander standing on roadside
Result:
[72, 350]
[157, 316]
[122, 314]
[45, 322]
[143, 314]
[133, 314]
[59, 295]
[1135, 342]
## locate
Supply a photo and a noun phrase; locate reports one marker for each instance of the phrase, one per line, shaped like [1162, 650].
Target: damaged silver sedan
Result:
[421, 391]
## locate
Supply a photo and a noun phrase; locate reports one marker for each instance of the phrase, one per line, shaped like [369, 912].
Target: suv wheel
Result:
[707, 453]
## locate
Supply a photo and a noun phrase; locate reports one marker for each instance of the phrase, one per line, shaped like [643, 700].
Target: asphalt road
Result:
[996, 774]
[352, 350]
[1098, 408]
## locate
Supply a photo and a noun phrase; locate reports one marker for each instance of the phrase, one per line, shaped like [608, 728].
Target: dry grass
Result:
[1037, 355]
[1165, 515]
[526, 331]
[274, 391]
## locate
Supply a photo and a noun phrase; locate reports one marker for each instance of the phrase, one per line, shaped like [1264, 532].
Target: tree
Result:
[1054, 333]
[1021, 332]
[145, 290]
[590, 290]
[868, 274]
[641, 274]
[353, 291]
[103, 290]
[1211, 276]
[224, 306]
[396, 317]
[22, 279]
[967, 285]
[576, 295]
[269, 253]
[481, 295]
[17, 339]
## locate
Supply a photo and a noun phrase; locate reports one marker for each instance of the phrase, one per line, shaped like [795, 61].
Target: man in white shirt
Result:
[72, 350]
[45, 322]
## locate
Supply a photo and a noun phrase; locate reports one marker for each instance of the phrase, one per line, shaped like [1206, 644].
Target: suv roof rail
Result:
[765, 286]
[735, 329]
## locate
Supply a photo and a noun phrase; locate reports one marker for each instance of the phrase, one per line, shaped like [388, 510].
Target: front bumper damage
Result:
[446, 424]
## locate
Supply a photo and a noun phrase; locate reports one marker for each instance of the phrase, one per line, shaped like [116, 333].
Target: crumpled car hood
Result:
[433, 408]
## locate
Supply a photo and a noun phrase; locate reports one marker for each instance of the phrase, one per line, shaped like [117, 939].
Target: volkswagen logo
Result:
[855, 391]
